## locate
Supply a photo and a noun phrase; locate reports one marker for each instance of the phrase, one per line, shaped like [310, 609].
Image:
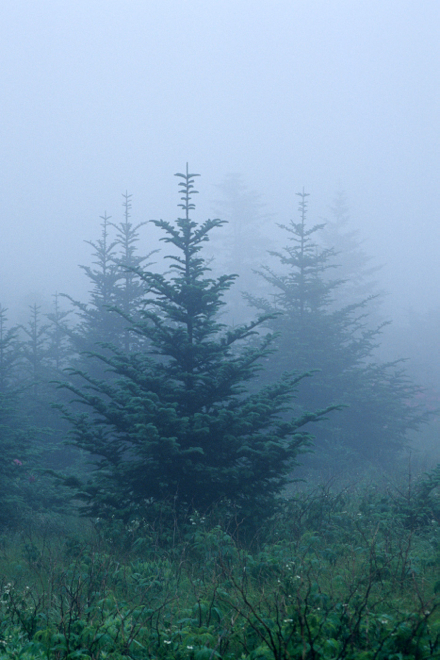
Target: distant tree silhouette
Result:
[336, 342]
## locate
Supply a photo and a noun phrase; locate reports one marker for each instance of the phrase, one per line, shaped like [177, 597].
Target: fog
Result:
[103, 97]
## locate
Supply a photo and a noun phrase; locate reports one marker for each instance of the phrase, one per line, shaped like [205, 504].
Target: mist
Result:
[99, 98]
[233, 452]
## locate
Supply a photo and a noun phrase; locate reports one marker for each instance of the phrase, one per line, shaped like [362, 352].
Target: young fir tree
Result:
[44, 353]
[39, 424]
[36, 373]
[115, 292]
[15, 450]
[96, 322]
[315, 333]
[129, 290]
[28, 424]
[59, 350]
[9, 352]
[177, 423]
[34, 348]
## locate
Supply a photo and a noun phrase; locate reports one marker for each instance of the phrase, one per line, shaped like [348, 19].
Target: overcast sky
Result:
[99, 97]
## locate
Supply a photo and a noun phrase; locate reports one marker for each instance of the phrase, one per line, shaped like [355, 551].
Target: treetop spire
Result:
[186, 189]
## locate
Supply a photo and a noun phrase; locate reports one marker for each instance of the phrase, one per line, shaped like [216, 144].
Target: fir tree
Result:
[43, 353]
[115, 293]
[34, 347]
[9, 352]
[60, 349]
[337, 343]
[129, 290]
[242, 244]
[177, 422]
[354, 264]
[15, 451]
[96, 322]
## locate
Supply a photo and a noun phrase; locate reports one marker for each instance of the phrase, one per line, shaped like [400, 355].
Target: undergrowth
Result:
[349, 574]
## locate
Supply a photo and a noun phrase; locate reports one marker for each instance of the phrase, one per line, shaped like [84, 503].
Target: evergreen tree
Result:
[354, 264]
[42, 352]
[96, 322]
[34, 347]
[115, 292]
[242, 244]
[177, 422]
[14, 439]
[338, 343]
[9, 352]
[60, 349]
[416, 337]
[129, 289]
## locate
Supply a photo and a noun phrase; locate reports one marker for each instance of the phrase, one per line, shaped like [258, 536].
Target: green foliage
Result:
[14, 444]
[9, 353]
[15, 436]
[27, 445]
[35, 349]
[175, 422]
[348, 582]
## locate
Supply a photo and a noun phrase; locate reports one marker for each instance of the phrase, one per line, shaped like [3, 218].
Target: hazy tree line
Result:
[175, 386]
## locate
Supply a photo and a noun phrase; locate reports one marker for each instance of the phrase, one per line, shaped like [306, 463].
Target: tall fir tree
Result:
[177, 422]
[337, 342]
